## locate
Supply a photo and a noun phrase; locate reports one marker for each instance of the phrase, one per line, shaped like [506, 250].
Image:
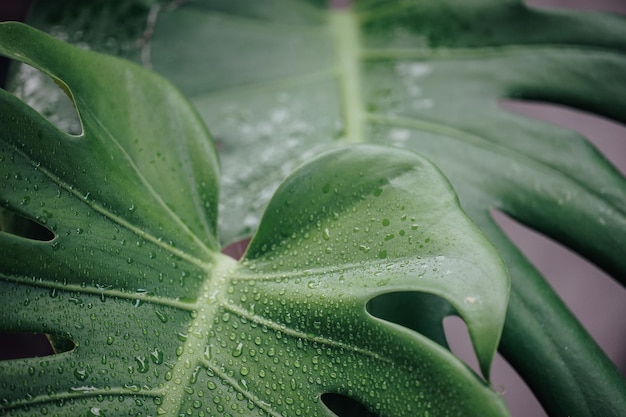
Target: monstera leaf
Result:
[279, 81]
[153, 320]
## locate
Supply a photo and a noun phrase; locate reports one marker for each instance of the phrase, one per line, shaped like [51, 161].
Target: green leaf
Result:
[280, 81]
[276, 87]
[161, 323]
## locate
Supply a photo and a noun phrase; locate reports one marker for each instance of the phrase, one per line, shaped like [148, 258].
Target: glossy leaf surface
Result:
[280, 81]
[428, 76]
[161, 323]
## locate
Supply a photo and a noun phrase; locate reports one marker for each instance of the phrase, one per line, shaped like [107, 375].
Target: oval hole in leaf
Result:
[49, 98]
[16, 224]
[24, 345]
[459, 341]
[418, 311]
[344, 406]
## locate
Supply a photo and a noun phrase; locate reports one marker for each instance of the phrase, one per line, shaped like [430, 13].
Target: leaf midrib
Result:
[345, 33]
[211, 297]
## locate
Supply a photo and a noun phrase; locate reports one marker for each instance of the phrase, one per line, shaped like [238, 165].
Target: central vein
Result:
[192, 352]
[345, 32]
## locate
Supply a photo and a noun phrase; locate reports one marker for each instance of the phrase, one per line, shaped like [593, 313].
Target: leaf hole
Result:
[19, 225]
[52, 99]
[25, 345]
[459, 341]
[417, 311]
[344, 406]
[579, 283]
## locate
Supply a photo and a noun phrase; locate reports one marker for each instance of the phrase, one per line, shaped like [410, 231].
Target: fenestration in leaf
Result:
[163, 324]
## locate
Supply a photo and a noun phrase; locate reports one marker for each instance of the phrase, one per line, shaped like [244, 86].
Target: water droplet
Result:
[194, 375]
[238, 350]
[156, 356]
[142, 364]
[313, 284]
[81, 374]
[162, 316]
[96, 412]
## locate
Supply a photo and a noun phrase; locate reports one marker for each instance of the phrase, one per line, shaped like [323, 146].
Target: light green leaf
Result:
[155, 321]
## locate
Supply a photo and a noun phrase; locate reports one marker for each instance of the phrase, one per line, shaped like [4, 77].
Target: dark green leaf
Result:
[279, 81]
[151, 319]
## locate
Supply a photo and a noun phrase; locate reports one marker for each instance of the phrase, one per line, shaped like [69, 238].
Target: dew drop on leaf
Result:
[81, 374]
[96, 412]
[162, 316]
[238, 350]
[142, 364]
[156, 356]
